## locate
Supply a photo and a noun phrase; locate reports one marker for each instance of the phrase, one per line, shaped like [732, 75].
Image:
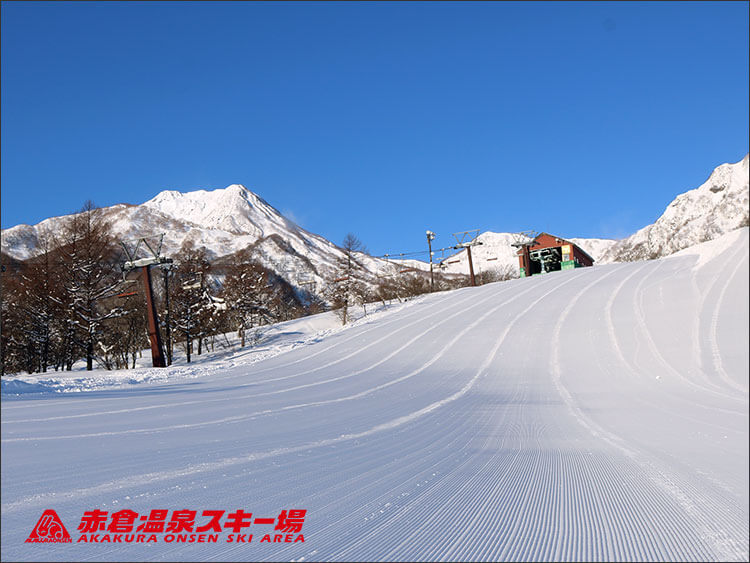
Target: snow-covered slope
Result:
[592, 414]
[223, 221]
[716, 207]
[594, 247]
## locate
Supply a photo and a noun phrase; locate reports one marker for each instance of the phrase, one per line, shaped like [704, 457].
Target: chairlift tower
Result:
[524, 240]
[467, 239]
[153, 258]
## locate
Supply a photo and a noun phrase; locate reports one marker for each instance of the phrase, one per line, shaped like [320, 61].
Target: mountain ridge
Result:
[228, 220]
[224, 221]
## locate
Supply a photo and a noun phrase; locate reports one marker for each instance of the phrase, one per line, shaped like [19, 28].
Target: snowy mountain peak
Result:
[167, 201]
[234, 209]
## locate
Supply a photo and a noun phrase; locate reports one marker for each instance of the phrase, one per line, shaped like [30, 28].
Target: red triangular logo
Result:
[49, 529]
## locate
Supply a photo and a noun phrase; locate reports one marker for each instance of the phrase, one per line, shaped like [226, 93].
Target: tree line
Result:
[71, 302]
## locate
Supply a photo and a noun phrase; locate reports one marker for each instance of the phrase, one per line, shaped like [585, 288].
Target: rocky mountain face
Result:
[716, 207]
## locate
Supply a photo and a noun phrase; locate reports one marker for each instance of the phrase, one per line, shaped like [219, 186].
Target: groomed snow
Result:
[592, 414]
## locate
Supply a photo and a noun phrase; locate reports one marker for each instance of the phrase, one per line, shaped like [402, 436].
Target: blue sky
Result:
[384, 119]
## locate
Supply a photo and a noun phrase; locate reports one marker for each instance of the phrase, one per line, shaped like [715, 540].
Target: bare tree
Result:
[346, 278]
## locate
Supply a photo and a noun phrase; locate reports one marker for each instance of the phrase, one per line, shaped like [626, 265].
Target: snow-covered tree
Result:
[37, 307]
[89, 261]
[193, 305]
[246, 292]
[125, 336]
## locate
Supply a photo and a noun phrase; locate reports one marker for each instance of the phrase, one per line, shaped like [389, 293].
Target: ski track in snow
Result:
[235, 419]
[152, 477]
[537, 419]
[715, 351]
[698, 344]
[641, 374]
[711, 527]
[656, 354]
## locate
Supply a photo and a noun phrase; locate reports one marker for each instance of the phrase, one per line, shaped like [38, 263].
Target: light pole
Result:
[430, 237]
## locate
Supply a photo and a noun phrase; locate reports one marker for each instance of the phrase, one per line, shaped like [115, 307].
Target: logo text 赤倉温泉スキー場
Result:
[127, 526]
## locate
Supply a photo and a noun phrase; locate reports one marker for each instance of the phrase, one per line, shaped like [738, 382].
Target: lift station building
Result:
[548, 253]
